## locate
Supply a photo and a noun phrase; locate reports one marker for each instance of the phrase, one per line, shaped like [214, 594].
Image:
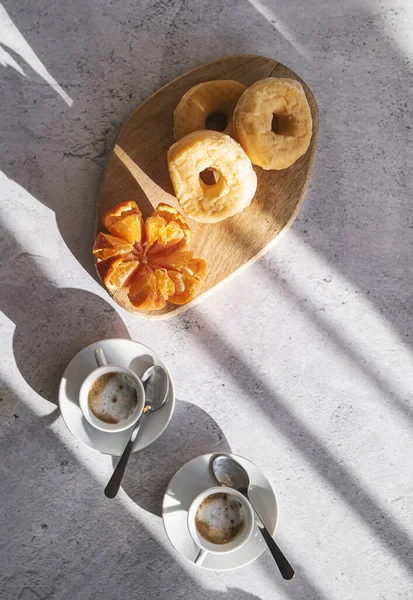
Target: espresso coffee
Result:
[220, 518]
[113, 397]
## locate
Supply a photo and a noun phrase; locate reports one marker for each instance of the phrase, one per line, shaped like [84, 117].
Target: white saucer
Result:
[127, 353]
[192, 479]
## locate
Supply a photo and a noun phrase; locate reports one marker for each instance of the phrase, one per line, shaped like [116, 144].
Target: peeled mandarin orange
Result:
[149, 261]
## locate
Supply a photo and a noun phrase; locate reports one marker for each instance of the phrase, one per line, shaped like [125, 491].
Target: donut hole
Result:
[284, 125]
[217, 121]
[210, 176]
[275, 124]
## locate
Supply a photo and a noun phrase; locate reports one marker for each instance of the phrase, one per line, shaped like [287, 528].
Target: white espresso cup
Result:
[208, 547]
[102, 369]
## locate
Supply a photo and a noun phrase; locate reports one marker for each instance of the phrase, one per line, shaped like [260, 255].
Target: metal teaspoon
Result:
[229, 472]
[155, 383]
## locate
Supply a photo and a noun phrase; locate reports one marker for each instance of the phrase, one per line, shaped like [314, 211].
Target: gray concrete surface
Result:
[303, 363]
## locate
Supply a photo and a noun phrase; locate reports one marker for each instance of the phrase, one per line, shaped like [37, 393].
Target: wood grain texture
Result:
[137, 170]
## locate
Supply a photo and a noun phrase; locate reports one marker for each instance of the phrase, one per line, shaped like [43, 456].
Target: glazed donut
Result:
[204, 100]
[253, 117]
[236, 185]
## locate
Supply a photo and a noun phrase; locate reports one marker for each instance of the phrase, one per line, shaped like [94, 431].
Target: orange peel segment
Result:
[115, 271]
[188, 282]
[125, 221]
[149, 261]
[107, 245]
[171, 215]
[162, 236]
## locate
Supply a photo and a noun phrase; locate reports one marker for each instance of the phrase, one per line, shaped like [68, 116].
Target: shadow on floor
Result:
[65, 539]
[52, 324]
[191, 432]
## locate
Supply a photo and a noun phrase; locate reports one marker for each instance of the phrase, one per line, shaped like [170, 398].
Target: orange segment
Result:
[160, 235]
[125, 221]
[142, 287]
[197, 267]
[188, 280]
[149, 261]
[154, 229]
[169, 239]
[149, 290]
[169, 213]
[186, 287]
[173, 260]
[107, 245]
[115, 271]
[164, 283]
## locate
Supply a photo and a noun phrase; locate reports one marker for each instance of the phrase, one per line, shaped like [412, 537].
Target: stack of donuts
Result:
[211, 171]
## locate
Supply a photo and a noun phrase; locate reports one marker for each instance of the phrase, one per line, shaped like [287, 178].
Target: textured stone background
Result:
[303, 363]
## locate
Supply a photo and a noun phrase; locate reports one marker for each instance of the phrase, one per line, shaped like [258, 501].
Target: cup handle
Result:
[100, 358]
[200, 557]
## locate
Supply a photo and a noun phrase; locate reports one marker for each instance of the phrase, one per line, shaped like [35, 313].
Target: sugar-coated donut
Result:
[237, 181]
[203, 100]
[253, 118]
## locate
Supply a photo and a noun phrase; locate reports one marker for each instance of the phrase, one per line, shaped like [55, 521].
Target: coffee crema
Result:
[113, 397]
[220, 518]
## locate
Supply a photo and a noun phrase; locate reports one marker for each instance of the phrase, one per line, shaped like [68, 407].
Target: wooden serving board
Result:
[137, 170]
